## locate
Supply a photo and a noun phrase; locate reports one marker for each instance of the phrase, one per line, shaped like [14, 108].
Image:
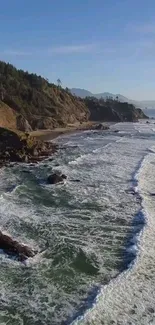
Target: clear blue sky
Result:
[99, 45]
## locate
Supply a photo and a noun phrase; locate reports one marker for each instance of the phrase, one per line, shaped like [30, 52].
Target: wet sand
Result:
[54, 133]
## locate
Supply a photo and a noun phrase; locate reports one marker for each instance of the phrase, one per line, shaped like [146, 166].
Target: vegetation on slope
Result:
[28, 101]
[112, 110]
[44, 105]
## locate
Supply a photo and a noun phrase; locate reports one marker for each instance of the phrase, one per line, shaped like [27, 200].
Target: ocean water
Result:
[95, 237]
[150, 112]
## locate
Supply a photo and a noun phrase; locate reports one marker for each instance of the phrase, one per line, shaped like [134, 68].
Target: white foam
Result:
[130, 298]
[92, 217]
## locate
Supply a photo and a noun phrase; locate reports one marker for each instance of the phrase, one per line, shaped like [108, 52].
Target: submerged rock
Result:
[75, 180]
[56, 178]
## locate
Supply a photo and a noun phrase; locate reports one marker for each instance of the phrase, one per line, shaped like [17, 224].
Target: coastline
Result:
[35, 147]
[52, 134]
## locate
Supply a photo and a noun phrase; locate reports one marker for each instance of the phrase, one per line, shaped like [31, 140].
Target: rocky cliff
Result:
[42, 104]
[10, 119]
[29, 102]
[112, 110]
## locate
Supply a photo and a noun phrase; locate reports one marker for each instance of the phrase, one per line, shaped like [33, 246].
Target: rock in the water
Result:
[12, 247]
[64, 176]
[56, 178]
[101, 127]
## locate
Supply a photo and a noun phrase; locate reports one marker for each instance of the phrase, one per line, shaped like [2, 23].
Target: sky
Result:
[98, 45]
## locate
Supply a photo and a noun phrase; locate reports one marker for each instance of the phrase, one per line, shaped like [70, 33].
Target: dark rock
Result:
[56, 178]
[64, 176]
[12, 247]
[112, 110]
[19, 147]
[15, 156]
[100, 127]
[75, 180]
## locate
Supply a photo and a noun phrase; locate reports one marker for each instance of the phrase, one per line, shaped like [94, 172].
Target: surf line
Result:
[131, 251]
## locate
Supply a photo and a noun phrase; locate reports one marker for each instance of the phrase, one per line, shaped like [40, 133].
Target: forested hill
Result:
[112, 110]
[28, 101]
[44, 105]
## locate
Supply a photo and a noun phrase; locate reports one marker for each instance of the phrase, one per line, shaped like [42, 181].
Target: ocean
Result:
[150, 112]
[95, 233]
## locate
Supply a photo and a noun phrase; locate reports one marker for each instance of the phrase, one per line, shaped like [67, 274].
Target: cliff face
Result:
[112, 110]
[42, 104]
[12, 120]
[28, 101]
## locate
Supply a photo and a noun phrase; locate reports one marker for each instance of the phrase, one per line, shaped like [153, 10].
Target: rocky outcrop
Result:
[140, 114]
[10, 119]
[112, 110]
[100, 126]
[14, 248]
[23, 124]
[56, 178]
[20, 147]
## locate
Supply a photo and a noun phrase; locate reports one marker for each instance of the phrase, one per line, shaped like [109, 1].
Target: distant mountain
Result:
[81, 92]
[85, 93]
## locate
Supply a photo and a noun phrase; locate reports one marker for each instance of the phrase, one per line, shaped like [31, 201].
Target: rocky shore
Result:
[19, 147]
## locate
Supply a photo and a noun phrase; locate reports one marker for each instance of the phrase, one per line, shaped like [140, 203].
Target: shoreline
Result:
[9, 245]
[47, 135]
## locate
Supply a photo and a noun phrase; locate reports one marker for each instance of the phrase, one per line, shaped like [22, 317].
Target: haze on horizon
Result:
[101, 46]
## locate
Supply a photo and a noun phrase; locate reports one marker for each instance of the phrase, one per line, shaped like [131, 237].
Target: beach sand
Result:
[71, 128]
[54, 133]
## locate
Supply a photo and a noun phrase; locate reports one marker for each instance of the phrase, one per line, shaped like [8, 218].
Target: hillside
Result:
[10, 119]
[112, 110]
[29, 102]
[42, 104]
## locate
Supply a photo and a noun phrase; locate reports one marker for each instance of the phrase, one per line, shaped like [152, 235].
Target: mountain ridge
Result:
[84, 93]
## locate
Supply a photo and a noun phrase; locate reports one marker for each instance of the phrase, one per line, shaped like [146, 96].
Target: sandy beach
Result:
[71, 128]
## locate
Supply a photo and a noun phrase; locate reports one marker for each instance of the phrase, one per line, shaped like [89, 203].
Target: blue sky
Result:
[99, 45]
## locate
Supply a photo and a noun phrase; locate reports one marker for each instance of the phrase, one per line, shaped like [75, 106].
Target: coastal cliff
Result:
[112, 110]
[42, 104]
[29, 102]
